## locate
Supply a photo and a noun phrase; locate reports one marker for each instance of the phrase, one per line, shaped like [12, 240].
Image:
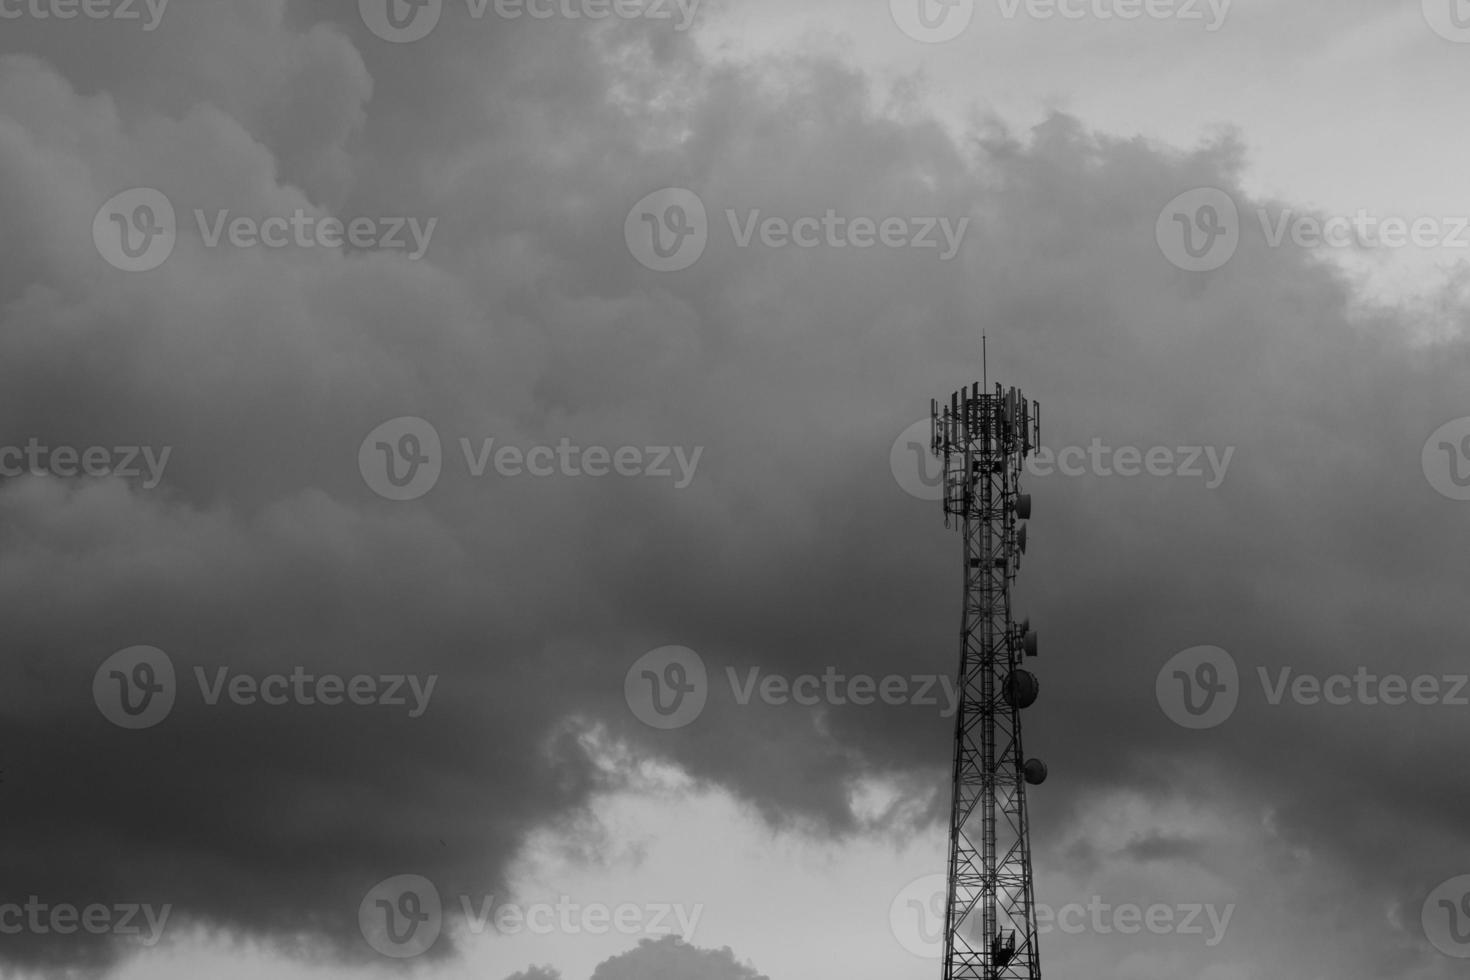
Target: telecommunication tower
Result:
[983, 438]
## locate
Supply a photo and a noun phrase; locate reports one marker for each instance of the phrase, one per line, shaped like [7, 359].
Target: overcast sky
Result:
[396, 401]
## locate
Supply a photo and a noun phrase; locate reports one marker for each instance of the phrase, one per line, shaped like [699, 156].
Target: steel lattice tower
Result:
[983, 439]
